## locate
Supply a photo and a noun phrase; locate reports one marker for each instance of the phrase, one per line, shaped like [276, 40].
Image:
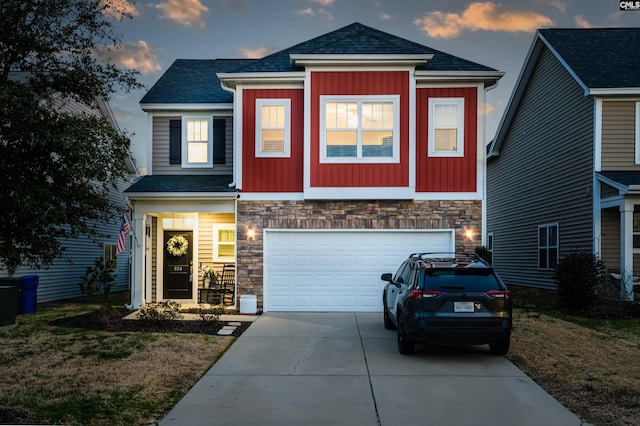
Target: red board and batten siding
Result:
[272, 174]
[359, 83]
[447, 174]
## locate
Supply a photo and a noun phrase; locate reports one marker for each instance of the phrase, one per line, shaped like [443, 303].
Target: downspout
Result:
[486, 166]
[235, 145]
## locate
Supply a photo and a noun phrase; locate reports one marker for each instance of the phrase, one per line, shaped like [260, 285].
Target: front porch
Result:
[618, 228]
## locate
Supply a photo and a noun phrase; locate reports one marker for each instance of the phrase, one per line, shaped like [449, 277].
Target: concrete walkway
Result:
[344, 369]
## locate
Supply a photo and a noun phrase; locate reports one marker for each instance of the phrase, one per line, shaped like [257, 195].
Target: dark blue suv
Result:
[448, 299]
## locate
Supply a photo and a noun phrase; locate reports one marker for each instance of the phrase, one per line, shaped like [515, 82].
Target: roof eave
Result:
[490, 78]
[614, 91]
[360, 59]
[175, 106]
[181, 196]
[232, 79]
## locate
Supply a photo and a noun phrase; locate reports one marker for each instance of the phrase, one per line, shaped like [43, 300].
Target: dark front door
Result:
[178, 264]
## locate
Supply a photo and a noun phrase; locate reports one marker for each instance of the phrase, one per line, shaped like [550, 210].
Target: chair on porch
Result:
[228, 283]
[212, 293]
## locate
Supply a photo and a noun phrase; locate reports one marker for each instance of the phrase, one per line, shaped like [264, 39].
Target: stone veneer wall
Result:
[260, 215]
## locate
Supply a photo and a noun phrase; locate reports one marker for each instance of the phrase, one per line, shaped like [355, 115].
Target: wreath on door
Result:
[177, 245]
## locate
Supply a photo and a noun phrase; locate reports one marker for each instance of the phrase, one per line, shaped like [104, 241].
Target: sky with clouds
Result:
[496, 34]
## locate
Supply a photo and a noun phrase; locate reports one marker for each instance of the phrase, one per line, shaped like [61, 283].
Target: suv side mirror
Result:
[386, 277]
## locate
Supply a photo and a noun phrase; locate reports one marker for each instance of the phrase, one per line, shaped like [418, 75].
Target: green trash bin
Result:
[9, 288]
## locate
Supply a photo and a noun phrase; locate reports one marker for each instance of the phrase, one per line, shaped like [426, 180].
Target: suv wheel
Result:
[405, 345]
[499, 348]
[388, 324]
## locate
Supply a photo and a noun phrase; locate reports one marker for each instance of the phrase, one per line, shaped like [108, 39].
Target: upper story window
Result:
[446, 127]
[548, 246]
[273, 124]
[197, 150]
[360, 129]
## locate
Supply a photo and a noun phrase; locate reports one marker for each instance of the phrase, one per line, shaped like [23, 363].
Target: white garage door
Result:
[331, 271]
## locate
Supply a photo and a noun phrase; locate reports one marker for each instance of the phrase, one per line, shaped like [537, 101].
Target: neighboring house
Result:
[62, 279]
[564, 168]
[313, 170]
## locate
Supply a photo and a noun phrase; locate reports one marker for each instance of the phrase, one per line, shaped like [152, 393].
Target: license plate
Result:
[463, 307]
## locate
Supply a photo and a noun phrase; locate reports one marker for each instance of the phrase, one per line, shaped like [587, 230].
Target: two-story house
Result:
[313, 170]
[564, 168]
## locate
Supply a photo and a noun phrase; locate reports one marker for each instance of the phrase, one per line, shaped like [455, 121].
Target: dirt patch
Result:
[114, 321]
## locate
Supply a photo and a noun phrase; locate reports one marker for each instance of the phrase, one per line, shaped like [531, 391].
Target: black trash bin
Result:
[8, 305]
[28, 298]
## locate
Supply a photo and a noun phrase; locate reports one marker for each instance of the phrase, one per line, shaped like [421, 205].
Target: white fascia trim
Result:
[412, 130]
[160, 196]
[237, 137]
[186, 107]
[448, 196]
[261, 77]
[351, 59]
[307, 131]
[481, 159]
[612, 183]
[615, 91]
[271, 196]
[359, 193]
[458, 75]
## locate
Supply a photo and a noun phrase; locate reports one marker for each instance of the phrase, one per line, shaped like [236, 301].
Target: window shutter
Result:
[175, 146]
[219, 140]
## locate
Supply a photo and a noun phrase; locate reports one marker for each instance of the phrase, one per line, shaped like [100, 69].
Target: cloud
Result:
[119, 8]
[384, 16]
[324, 2]
[258, 52]
[485, 16]
[135, 56]
[307, 11]
[581, 22]
[325, 15]
[190, 13]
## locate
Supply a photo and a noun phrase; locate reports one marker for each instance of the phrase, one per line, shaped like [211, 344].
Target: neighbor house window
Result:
[197, 133]
[490, 242]
[446, 127]
[110, 255]
[547, 246]
[273, 123]
[360, 129]
[224, 242]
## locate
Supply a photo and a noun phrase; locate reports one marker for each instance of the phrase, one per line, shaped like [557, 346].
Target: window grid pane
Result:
[197, 152]
[197, 130]
[341, 117]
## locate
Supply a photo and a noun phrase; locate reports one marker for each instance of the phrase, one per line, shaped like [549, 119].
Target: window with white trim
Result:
[224, 242]
[637, 132]
[446, 127]
[273, 124]
[548, 246]
[636, 232]
[360, 129]
[197, 135]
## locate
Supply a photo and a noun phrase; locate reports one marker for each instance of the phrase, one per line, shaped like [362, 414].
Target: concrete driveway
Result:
[344, 369]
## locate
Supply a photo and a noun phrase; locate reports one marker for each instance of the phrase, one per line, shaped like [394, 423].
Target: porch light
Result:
[251, 234]
[468, 233]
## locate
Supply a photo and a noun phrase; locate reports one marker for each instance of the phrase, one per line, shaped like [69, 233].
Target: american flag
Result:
[124, 229]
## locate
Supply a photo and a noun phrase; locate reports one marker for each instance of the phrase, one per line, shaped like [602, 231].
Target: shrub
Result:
[580, 277]
[161, 311]
[484, 253]
[210, 313]
[98, 278]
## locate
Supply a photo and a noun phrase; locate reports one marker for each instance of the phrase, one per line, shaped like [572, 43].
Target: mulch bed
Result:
[115, 322]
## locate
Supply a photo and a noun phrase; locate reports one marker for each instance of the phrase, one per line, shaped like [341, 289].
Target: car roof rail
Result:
[449, 259]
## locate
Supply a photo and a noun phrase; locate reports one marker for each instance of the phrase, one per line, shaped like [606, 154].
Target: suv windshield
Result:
[472, 279]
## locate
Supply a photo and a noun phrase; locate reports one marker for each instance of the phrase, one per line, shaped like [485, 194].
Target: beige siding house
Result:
[563, 171]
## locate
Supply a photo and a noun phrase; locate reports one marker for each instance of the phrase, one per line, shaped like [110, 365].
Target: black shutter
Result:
[175, 145]
[219, 141]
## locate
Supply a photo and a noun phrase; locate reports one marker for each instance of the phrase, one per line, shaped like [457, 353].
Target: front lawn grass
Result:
[64, 375]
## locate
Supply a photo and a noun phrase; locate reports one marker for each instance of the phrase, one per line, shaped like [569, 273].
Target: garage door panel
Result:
[337, 270]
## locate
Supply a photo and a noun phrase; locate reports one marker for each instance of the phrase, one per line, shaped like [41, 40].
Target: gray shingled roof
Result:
[182, 184]
[195, 81]
[600, 57]
[359, 39]
[626, 178]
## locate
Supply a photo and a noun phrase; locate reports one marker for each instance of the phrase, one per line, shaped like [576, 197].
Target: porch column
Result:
[626, 251]
[137, 260]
